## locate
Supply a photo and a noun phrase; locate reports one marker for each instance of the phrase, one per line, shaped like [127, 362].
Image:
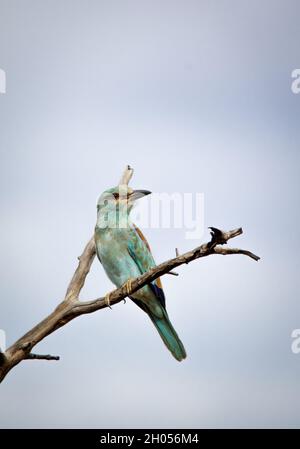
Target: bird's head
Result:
[119, 200]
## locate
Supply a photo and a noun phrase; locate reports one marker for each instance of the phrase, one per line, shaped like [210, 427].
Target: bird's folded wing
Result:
[140, 252]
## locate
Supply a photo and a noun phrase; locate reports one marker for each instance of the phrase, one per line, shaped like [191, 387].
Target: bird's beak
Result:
[136, 194]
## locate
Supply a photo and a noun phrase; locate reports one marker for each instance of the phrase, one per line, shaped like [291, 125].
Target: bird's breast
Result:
[112, 251]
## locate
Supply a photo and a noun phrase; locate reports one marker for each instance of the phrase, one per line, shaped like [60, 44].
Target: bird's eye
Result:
[116, 195]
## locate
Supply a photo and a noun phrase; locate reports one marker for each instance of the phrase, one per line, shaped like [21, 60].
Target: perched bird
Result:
[125, 254]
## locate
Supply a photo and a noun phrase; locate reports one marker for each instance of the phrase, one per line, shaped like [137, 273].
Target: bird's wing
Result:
[97, 238]
[140, 252]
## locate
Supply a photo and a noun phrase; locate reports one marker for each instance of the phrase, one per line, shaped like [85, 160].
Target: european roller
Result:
[125, 254]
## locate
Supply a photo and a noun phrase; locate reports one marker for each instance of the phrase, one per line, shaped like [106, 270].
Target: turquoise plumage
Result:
[125, 254]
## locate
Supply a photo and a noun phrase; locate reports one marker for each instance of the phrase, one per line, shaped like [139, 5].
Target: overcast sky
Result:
[196, 96]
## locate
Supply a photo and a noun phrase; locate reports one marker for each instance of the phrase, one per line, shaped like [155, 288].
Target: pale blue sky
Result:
[196, 96]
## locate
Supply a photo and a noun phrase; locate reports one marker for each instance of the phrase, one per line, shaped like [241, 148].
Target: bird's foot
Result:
[107, 299]
[128, 286]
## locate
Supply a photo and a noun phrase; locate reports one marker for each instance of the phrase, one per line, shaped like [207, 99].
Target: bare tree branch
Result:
[71, 307]
[225, 251]
[78, 279]
[31, 356]
[127, 175]
[2, 358]
[204, 250]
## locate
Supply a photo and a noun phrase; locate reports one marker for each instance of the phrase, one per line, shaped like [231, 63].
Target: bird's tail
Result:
[168, 335]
